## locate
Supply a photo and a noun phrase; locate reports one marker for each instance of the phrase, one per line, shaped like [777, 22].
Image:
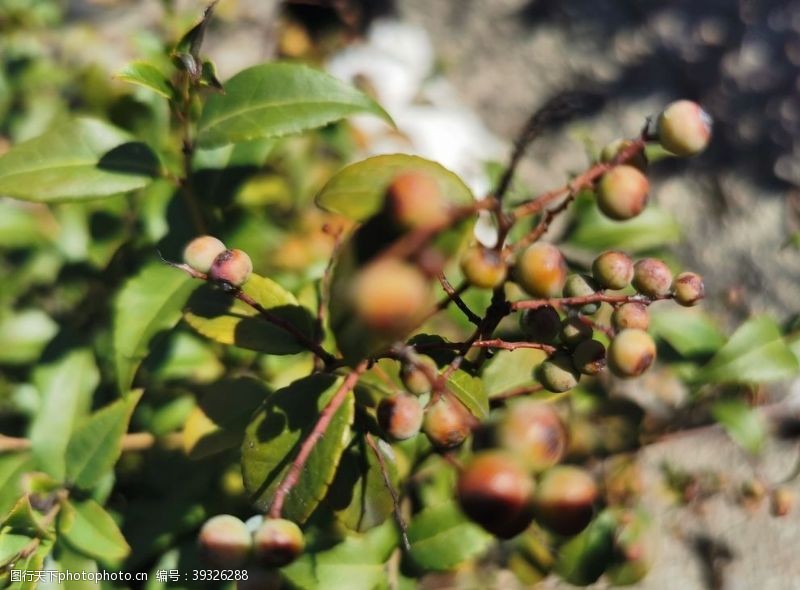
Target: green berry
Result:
[540, 324]
[622, 192]
[578, 285]
[631, 315]
[495, 491]
[631, 353]
[400, 416]
[684, 128]
[589, 357]
[533, 432]
[610, 151]
[613, 269]
[201, 252]
[278, 542]
[414, 378]
[414, 199]
[231, 269]
[688, 289]
[652, 277]
[574, 331]
[557, 374]
[225, 541]
[446, 423]
[483, 267]
[565, 499]
[541, 270]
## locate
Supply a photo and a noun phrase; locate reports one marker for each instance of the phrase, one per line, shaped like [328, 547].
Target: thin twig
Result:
[131, 442]
[599, 297]
[398, 516]
[453, 295]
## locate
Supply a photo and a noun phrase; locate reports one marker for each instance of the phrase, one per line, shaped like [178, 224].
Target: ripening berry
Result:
[610, 151]
[581, 286]
[446, 423]
[631, 353]
[684, 128]
[541, 270]
[483, 267]
[632, 315]
[533, 432]
[414, 378]
[390, 296]
[225, 541]
[781, 501]
[622, 192]
[574, 331]
[613, 269]
[589, 357]
[495, 491]
[201, 252]
[557, 374]
[540, 324]
[278, 542]
[688, 289]
[231, 269]
[414, 200]
[400, 416]
[565, 499]
[652, 277]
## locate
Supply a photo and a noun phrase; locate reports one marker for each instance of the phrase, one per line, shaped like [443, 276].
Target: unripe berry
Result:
[225, 541]
[589, 357]
[541, 324]
[390, 296]
[201, 252]
[613, 269]
[483, 267]
[495, 491]
[652, 277]
[688, 288]
[781, 501]
[581, 286]
[414, 200]
[557, 374]
[565, 499]
[610, 151]
[533, 432]
[278, 542]
[574, 331]
[622, 192]
[400, 416]
[231, 269]
[632, 315]
[684, 128]
[541, 270]
[446, 423]
[414, 378]
[631, 353]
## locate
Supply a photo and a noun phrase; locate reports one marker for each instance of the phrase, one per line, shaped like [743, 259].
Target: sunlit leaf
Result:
[744, 424]
[90, 530]
[146, 75]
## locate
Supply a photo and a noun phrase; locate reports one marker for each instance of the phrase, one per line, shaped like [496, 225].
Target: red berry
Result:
[541, 270]
[652, 277]
[447, 423]
[622, 192]
[400, 416]
[231, 269]
[613, 269]
[565, 499]
[631, 315]
[278, 542]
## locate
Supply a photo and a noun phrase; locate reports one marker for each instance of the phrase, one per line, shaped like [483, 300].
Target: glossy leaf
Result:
[511, 369]
[744, 424]
[10, 546]
[755, 353]
[96, 444]
[441, 537]
[147, 304]
[357, 190]
[90, 530]
[690, 332]
[78, 159]
[470, 391]
[276, 99]
[584, 558]
[23, 519]
[24, 334]
[218, 316]
[146, 75]
[273, 437]
[12, 466]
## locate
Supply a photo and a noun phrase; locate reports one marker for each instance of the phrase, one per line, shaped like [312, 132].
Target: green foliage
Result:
[744, 424]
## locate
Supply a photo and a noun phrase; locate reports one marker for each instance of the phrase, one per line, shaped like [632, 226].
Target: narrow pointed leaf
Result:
[148, 76]
[90, 530]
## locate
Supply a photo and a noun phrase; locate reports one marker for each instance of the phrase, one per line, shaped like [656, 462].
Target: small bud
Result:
[578, 285]
[557, 374]
[541, 324]
[684, 128]
[225, 541]
[278, 542]
[483, 267]
[631, 353]
[201, 252]
[446, 423]
[631, 315]
[613, 269]
[652, 277]
[589, 357]
[689, 289]
[622, 192]
[541, 270]
[400, 416]
[231, 269]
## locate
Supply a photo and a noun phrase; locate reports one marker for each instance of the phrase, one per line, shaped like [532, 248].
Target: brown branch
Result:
[500, 344]
[398, 516]
[598, 297]
[541, 227]
[131, 442]
[607, 330]
[295, 469]
[455, 297]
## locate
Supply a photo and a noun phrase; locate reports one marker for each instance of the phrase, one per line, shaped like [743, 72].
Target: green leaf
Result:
[217, 423]
[184, 356]
[91, 531]
[511, 369]
[584, 558]
[12, 466]
[470, 391]
[208, 76]
[32, 563]
[77, 159]
[755, 353]
[147, 304]
[65, 389]
[273, 438]
[10, 546]
[24, 520]
[192, 40]
[690, 332]
[357, 191]
[96, 445]
[146, 75]
[24, 334]
[745, 425]
[276, 99]
[357, 563]
[218, 316]
[65, 560]
[441, 538]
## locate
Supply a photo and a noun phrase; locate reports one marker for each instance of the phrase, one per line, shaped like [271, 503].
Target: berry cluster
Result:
[227, 542]
[228, 268]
